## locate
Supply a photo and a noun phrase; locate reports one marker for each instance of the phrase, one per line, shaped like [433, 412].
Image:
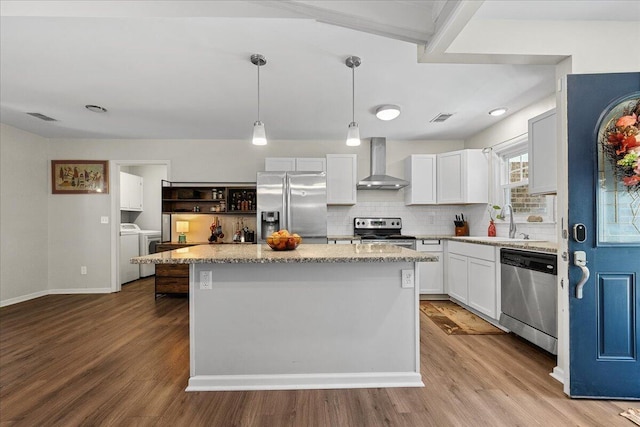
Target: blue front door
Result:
[605, 322]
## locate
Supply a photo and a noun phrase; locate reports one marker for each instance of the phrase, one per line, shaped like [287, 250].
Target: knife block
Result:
[464, 230]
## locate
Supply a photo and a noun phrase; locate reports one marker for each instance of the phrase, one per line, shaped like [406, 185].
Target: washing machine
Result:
[148, 239]
[129, 248]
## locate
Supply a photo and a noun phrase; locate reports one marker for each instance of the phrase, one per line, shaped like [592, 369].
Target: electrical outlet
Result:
[104, 220]
[431, 218]
[206, 279]
[83, 269]
[407, 278]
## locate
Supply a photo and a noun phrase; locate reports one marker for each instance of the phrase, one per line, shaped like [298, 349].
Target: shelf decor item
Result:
[182, 227]
[494, 213]
[79, 177]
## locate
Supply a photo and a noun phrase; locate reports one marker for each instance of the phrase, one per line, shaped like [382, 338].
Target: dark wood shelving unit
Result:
[198, 198]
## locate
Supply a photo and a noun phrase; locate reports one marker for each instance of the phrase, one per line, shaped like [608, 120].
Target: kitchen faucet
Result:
[512, 225]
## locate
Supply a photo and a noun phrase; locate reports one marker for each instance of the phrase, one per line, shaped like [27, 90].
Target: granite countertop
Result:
[533, 245]
[262, 254]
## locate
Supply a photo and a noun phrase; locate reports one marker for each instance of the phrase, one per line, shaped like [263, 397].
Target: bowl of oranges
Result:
[283, 241]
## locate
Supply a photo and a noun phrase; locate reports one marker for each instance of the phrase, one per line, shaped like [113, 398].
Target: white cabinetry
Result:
[471, 276]
[430, 274]
[131, 190]
[462, 177]
[420, 171]
[300, 164]
[542, 154]
[311, 164]
[342, 179]
[457, 277]
[343, 241]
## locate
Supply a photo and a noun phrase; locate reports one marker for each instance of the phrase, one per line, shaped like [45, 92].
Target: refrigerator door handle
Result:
[286, 196]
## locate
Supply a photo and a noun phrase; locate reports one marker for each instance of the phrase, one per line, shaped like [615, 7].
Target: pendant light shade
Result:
[353, 134]
[259, 133]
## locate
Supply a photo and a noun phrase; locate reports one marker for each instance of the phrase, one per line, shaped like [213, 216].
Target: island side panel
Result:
[276, 320]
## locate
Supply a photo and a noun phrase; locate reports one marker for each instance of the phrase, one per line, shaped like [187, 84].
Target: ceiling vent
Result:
[42, 117]
[441, 117]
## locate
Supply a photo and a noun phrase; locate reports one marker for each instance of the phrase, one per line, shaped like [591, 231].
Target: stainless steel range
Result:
[382, 230]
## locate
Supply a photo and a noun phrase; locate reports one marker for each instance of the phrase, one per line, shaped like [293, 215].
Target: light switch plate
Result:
[104, 220]
[407, 279]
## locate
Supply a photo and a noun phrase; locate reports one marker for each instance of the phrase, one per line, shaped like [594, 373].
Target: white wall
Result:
[24, 169]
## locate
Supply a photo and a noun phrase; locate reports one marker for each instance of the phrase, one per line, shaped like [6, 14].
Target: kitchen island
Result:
[320, 316]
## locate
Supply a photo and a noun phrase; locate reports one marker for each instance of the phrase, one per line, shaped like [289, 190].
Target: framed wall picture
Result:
[80, 176]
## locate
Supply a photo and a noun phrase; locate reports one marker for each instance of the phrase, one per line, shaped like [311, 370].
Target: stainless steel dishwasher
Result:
[529, 296]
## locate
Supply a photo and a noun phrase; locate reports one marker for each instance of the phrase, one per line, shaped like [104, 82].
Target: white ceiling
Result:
[181, 70]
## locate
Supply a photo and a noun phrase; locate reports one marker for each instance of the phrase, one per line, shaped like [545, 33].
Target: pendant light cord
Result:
[258, 91]
[353, 94]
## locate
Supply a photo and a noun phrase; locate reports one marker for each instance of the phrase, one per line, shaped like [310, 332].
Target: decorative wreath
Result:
[621, 142]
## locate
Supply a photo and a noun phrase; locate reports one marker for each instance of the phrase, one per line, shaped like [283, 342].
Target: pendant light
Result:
[353, 134]
[259, 134]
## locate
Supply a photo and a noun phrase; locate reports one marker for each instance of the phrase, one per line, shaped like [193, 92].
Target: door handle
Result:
[580, 260]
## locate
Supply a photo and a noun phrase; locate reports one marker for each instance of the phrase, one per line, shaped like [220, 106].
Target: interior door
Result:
[605, 322]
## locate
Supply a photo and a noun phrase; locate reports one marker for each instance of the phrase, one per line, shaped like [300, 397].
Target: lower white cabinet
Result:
[471, 276]
[482, 286]
[342, 241]
[430, 274]
[457, 277]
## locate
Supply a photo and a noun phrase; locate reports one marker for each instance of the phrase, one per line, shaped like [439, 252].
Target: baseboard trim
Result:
[39, 294]
[23, 298]
[80, 291]
[557, 374]
[303, 381]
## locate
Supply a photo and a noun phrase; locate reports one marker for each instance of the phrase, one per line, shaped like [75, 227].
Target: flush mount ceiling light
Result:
[259, 133]
[387, 112]
[498, 111]
[353, 134]
[96, 108]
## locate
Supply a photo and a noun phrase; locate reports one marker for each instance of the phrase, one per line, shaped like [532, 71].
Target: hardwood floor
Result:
[123, 359]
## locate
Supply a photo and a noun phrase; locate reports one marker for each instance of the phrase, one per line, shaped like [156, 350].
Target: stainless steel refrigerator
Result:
[296, 201]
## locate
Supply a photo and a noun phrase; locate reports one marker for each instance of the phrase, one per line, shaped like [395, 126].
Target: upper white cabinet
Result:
[542, 154]
[462, 177]
[311, 164]
[420, 171]
[301, 164]
[342, 172]
[131, 191]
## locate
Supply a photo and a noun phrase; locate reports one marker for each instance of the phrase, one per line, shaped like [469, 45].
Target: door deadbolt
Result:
[579, 233]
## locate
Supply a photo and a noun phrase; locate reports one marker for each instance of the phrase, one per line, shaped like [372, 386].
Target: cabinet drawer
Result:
[172, 270]
[171, 285]
[485, 252]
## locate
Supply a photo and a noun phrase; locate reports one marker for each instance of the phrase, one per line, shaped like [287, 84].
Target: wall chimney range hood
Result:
[379, 180]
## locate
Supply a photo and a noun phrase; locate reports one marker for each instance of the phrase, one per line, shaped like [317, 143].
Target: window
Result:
[514, 184]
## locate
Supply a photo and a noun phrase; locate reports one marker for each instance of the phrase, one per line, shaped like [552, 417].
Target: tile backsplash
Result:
[430, 220]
